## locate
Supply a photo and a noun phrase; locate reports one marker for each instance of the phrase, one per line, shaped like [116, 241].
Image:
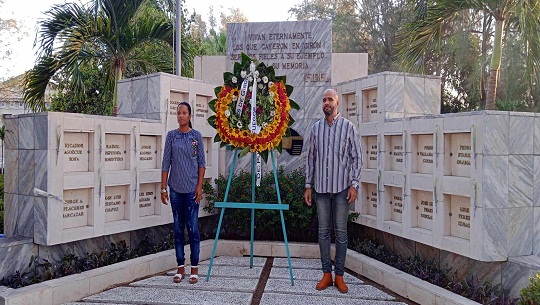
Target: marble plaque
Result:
[200, 113]
[458, 159]
[115, 152]
[76, 153]
[370, 199]
[394, 153]
[371, 152]
[394, 203]
[116, 203]
[351, 112]
[208, 141]
[77, 207]
[460, 219]
[148, 152]
[176, 98]
[422, 209]
[148, 199]
[423, 152]
[369, 106]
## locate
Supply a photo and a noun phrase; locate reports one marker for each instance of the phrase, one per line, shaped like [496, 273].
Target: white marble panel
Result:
[368, 175]
[536, 181]
[75, 151]
[422, 209]
[520, 231]
[41, 131]
[394, 97]
[148, 150]
[394, 153]
[456, 185]
[536, 146]
[432, 94]
[520, 180]
[496, 134]
[521, 138]
[495, 242]
[125, 97]
[78, 122]
[369, 129]
[74, 180]
[422, 182]
[11, 140]
[149, 199]
[116, 203]
[77, 206]
[371, 151]
[370, 201]
[11, 161]
[393, 203]
[116, 147]
[26, 174]
[495, 181]
[414, 99]
[26, 132]
[370, 106]
[536, 231]
[422, 153]
[458, 122]
[457, 154]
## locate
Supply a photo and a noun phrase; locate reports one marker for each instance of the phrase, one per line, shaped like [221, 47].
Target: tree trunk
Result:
[117, 78]
[495, 65]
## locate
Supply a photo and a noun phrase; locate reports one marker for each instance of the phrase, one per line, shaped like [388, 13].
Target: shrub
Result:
[530, 295]
[300, 219]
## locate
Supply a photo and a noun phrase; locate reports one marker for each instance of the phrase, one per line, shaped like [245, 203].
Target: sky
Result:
[28, 12]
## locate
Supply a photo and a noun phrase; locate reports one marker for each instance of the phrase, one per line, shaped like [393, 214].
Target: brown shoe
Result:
[325, 282]
[340, 284]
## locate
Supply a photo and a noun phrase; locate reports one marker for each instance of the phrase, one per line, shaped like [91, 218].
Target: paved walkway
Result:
[233, 282]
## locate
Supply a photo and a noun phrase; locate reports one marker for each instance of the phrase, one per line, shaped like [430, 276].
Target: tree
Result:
[433, 19]
[109, 34]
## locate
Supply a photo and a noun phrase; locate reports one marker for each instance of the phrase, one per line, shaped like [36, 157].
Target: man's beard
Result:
[328, 112]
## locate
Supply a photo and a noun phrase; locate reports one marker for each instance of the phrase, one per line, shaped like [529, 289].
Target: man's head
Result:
[330, 103]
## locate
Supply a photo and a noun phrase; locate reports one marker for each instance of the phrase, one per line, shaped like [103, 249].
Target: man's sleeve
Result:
[310, 159]
[356, 154]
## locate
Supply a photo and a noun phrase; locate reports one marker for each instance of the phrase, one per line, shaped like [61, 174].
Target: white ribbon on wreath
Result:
[254, 128]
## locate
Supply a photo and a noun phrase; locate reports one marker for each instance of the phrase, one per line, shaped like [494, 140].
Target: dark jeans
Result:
[333, 207]
[185, 214]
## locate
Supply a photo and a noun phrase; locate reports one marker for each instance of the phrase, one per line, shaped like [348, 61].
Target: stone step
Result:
[291, 299]
[298, 263]
[308, 275]
[364, 292]
[235, 261]
[214, 284]
[162, 296]
[225, 271]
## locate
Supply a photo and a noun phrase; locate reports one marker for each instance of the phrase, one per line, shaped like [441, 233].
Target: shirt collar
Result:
[337, 117]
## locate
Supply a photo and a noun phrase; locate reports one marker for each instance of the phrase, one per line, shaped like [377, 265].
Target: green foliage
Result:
[530, 295]
[511, 105]
[301, 220]
[40, 270]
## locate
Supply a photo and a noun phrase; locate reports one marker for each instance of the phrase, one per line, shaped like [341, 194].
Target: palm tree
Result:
[433, 18]
[108, 34]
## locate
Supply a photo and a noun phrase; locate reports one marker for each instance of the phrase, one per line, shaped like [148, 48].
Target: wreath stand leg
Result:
[251, 205]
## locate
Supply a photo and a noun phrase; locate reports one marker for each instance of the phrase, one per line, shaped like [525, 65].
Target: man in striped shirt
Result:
[333, 166]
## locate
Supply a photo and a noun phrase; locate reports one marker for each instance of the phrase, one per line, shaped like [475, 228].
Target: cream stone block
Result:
[416, 292]
[353, 262]
[154, 128]
[455, 244]
[33, 294]
[147, 152]
[149, 175]
[369, 82]
[457, 154]
[393, 178]
[177, 83]
[370, 105]
[423, 236]
[456, 185]
[423, 153]
[393, 152]
[393, 207]
[422, 209]
[78, 123]
[122, 177]
[424, 182]
[459, 122]
[368, 221]
[372, 272]
[425, 124]
[521, 137]
[371, 150]
[77, 208]
[77, 180]
[200, 111]
[69, 288]
[117, 147]
[368, 176]
[350, 107]
[75, 151]
[117, 203]
[368, 129]
[370, 199]
[79, 233]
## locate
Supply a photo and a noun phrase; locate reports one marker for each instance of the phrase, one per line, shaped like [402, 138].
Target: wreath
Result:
[252, 108]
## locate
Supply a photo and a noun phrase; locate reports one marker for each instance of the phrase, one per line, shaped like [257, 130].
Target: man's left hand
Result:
[352, 194]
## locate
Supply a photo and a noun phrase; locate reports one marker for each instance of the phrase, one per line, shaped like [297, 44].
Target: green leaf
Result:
[217, 90]
[217, 138]
[289, 89]
[245, 58]
[236, 70]
[227, 76]
[291, 120]
[244, 151]
[294, 105]
[288, 133]
[264, 155]
[282, 78]
[279, 147]
[212, 105]
[212, 121]
[223, 144]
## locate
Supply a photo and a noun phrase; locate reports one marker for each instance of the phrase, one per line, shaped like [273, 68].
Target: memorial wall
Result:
[76, 177]
[457, 182]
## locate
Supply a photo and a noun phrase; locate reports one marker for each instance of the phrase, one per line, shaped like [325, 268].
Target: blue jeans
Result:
[185, 214]
[333, 207]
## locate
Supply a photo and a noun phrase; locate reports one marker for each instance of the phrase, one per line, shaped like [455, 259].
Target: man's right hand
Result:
[307, 196]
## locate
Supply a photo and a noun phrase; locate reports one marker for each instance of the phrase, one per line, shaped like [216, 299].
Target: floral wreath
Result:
[252, 108]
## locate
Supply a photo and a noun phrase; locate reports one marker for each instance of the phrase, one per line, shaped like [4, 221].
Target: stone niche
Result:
[116, 152]
[422, 154]
[394, 153]
[351, 111]
[422, 209]
[393, 203]
[200, 113]
[176, 98]
[457, 154]
[369, 200]
[370, 109]
[148, 152]
[116, 203]
[457, 216]
[77, 148]
[369, 144]
[77, 209]
[149, 199]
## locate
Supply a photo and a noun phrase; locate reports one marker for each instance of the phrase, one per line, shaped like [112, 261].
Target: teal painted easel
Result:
[253, 206]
